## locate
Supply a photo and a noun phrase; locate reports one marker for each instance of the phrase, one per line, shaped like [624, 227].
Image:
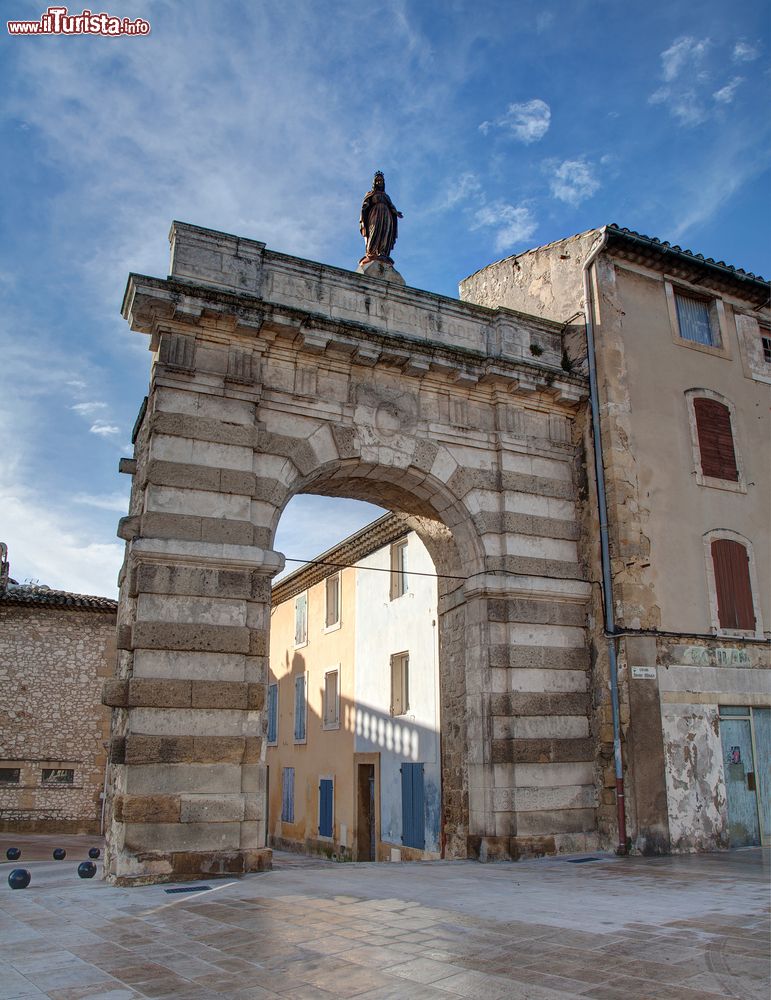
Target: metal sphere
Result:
[86, 869]
[19, 878]
[13, 854]
[94, 852]
[59, 854]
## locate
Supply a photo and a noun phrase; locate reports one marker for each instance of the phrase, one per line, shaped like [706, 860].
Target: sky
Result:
[499, 126]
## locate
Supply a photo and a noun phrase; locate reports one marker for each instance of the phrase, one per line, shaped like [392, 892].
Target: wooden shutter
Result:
[326, 799]
[299, 707]
[413, 806]
[716, 440]
[272, 713]
[287, 798]
[732, 582]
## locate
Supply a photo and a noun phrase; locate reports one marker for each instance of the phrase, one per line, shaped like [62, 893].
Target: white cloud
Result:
[110, 501]
[527, 122]
[743, 52]
[727, 93]
[514, 223]
[88, 409]
[466, 186]
[544, 21]
[43, 545]
[573, 181]
[685, 53]
[104, 429]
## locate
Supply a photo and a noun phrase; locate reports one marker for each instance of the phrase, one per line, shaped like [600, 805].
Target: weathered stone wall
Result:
[275, 376]
[52, 664]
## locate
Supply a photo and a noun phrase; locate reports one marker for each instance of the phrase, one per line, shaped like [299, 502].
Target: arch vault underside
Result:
[274, 376]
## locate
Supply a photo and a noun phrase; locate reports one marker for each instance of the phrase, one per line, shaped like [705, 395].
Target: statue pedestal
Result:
[379, 269]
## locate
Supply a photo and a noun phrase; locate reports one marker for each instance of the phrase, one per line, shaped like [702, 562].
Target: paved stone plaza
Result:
[612, 929]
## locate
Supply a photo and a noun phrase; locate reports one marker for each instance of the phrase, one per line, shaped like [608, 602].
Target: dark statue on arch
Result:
[378, 223]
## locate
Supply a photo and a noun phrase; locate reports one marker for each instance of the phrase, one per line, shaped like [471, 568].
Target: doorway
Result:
[745, 735]
[366, 811]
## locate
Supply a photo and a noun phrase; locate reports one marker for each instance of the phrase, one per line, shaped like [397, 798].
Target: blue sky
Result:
[499, 126]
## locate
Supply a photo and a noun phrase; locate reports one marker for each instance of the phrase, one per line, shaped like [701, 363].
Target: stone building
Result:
[353, 747]
[682, 347]
[56, 648]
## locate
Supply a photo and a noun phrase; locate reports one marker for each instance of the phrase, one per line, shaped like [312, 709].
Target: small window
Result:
[716, 442]
[287, 795]
[398, 569]
[300, 709]
[332, 699]
[695, 320]
[9, 775]
[332, 617]
[765, 340]
[301, 620]
[273, 714]
[732, 583]
[58, 776]
[400, 683]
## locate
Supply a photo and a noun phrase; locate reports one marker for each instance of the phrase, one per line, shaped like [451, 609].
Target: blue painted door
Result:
[326, 800]
[740, 777]
[761, 718]
[413, 806]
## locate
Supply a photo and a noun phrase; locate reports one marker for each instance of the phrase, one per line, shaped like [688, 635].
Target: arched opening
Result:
[384, 771]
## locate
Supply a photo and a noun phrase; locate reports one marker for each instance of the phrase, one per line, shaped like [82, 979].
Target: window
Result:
[716, 442]
[332, 699]
[326, 807]
[9, 775]
[58, 776]
[300, 708]
[273, 714]
[765, 343]
[287, 795]
[398, 569]
[332, 617]
[400, 683]
[732, 585]
[695, 320]
[301, 620]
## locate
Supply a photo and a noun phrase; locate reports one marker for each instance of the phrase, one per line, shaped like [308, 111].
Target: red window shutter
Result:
[716, 440]
[732, 581]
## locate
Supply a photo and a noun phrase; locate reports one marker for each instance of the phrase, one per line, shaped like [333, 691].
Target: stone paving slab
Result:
[691, 928]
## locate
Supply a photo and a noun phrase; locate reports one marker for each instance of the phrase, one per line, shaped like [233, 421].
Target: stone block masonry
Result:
[343, 385]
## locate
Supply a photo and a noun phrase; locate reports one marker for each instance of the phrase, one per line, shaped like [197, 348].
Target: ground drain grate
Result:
[189, 888]
[571, 861]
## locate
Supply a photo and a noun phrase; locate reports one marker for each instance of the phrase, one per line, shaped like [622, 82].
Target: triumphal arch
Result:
[273, 376]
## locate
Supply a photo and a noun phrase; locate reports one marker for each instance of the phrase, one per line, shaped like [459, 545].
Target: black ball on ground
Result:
[59, 854]
[13, 854]
[19, 878]
[94, 852]
[86, 869]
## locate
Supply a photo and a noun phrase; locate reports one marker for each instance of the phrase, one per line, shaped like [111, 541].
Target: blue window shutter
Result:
[326, 787]
[299, 707]
[413, 806]
[272, 713]
[287, 804]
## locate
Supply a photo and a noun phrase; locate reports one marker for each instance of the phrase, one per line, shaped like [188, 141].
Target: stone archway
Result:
[273, 376]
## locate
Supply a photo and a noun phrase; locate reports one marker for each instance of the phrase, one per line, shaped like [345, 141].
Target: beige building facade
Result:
[683, 363]
[56, 648]
[353, 728]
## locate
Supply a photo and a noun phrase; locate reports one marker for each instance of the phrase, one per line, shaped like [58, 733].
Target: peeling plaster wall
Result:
[698, 820]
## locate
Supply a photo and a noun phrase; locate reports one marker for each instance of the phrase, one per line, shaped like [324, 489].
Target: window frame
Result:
[304, 641]
[300, 740]
[400, 662]
[735, 486]
[716, 312]
[272, 685]
[721, 534]
[336, 723]
[10, 782]
[51, 783]
[399, 573]
[334, 625]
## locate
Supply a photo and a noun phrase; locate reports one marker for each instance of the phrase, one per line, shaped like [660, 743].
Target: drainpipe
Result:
[607, 583]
